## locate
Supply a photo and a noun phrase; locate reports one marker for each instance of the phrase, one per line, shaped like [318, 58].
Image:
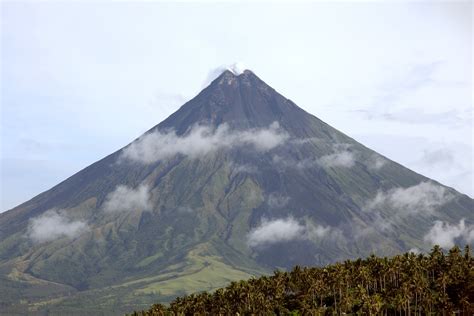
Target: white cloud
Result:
[308, 140]
[279, 230]
[446, 235]
[439, 156]
[343, 159]
[54, 224]
[283, 162]
[315, 232]
[376, 162]
[126, 199]
[274, 231]
[470, 236]
[236, 68]
[448, 161]
[201, 140]
[423, 197]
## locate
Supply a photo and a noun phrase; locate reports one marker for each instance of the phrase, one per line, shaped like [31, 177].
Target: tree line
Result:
[437, 283]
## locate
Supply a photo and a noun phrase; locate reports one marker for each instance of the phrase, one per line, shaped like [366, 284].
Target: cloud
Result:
[376, 162]
[448, 163]
[408, 81]
[438, 156]
[236, 68]
[454, 118]
[283, 162]
[201, 140]
[423, 197]
[308, 140]
[54, 224]
[274, 231]
[407, 97]
[281, 230]
[126, 199]
[275, 200]
[445, 235]
[343, 159]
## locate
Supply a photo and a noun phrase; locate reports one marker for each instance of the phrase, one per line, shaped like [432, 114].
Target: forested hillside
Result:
[432, 284]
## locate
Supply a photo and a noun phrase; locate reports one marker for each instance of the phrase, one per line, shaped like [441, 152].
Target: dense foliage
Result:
[432, 284]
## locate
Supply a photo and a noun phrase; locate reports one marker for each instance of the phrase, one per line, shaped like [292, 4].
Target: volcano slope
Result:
[238, 182]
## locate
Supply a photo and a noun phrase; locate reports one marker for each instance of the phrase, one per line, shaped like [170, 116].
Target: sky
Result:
[80, 80]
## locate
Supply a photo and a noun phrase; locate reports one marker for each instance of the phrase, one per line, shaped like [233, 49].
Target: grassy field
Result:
[199, 271]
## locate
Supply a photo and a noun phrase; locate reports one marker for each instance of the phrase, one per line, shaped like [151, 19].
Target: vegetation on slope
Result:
[432, 284]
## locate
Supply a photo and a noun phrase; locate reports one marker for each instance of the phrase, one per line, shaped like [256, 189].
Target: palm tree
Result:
[423, 284]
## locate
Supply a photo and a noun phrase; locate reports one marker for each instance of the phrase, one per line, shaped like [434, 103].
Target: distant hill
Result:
[236, 183]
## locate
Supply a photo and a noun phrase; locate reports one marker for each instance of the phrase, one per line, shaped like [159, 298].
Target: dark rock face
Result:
[314, 197]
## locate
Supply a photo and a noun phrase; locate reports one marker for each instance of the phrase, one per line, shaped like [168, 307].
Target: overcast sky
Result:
[81, 80]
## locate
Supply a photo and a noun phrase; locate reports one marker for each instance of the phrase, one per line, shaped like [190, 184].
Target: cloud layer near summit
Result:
[201, 140]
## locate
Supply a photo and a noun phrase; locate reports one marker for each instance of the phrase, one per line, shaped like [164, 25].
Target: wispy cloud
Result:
[201, 140]
[423, 197]
[376, 162]
[275, 200]
[285, 229]
[236, 68]
[450, 163]
[437, 156]
[273, 231]
[54, 224]
[454, 118]
[403, 98]
[446, 235]
[126, 199]
[398, 85]
[343, 159]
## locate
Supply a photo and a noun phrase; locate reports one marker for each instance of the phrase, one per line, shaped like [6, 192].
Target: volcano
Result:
[238, 182]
